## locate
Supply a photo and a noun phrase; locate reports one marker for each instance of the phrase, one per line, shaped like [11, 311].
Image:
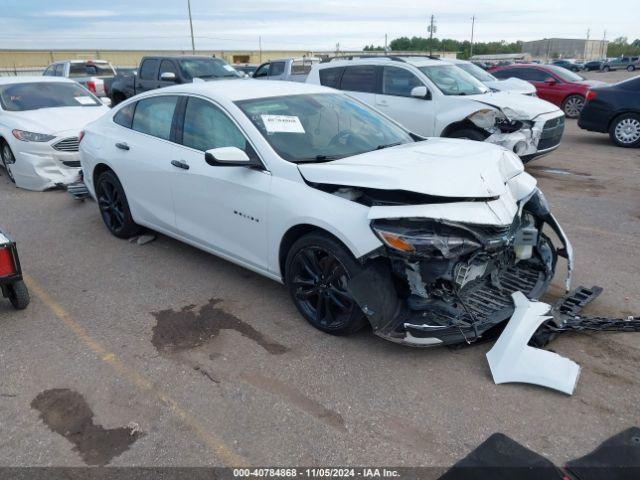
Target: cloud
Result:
[81, 13]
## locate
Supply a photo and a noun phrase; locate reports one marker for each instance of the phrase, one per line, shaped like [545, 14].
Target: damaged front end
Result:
[440, 282]
[526, 137]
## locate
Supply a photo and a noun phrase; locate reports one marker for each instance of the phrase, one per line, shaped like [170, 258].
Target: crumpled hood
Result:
[518, 107]
[515, 85]
[54, 120]
[438, 166]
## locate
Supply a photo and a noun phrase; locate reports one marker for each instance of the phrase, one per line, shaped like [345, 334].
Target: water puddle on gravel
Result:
[67, 413]
[188, 328]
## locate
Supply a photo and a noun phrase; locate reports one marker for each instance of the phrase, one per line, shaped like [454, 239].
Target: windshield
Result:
[207, 68]
[564, 74]
[453, 81]
[19, 97]
[90, 69]
[321, 127]
[476, 72]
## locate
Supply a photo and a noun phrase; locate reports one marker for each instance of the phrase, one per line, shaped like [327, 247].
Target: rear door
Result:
[147, 78]
[395, 100]
[362, 82]
[221, 208]
[141, 151]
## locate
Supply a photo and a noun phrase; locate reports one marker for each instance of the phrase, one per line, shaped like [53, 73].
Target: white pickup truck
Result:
[291, 69]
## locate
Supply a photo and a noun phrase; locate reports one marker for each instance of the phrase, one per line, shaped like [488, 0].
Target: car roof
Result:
[33, 79]
[244, 89]
[396, 60]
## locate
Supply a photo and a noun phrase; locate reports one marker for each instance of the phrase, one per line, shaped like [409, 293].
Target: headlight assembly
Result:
[425, 238]
[31, 136]
[485, 118]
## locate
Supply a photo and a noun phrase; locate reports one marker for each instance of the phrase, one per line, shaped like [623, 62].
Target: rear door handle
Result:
[179, 164]
[122, 146]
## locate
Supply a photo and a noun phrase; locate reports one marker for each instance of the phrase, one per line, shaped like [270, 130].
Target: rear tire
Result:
[631, 68]
[114, 206]
[625, 130]
[7, 158]
[572, 106]
[467, 134]
[19, 295]
[317, 271]
[606, 68]
[116, 98]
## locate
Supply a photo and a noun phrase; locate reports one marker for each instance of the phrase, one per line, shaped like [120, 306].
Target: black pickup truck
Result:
[158, 72]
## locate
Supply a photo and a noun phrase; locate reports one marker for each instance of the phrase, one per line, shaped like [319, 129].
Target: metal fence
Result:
[21, 71]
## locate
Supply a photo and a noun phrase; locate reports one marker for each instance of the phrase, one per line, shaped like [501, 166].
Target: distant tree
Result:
[555, 55]
[450, 45]
[371, 48]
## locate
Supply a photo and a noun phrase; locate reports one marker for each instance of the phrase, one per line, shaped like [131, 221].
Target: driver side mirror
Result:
[168, 77]
[550, 81]
[229, 157]
[421, 92]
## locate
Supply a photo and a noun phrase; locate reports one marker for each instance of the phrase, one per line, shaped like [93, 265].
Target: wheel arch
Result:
[620, 113]
[462, 124]
[293, 234]
[98, 170]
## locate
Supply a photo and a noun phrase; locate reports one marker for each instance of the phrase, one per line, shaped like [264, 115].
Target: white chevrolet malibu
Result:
[424, 239]
[40, 119]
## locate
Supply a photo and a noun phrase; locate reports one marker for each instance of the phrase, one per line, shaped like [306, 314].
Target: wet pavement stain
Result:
[67, 413]
[571, 181]
[185, 329]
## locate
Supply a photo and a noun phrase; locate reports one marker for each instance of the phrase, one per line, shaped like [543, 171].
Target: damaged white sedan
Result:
[40, 119]
[425, 240]
[434, 98]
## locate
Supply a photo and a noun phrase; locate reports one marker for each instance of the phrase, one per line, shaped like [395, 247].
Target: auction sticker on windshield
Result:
[85, 100]
[229, 68]
[282, 124]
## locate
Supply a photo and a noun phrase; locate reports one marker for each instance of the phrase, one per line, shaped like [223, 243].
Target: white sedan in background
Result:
[513, 85]
[40, 120]
[425, 240]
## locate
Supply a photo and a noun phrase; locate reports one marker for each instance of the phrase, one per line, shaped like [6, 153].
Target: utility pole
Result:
[586, 45]
[260, 46]
[385, 43]
[193, 43]
[473, 24]
[432, 30]
[604, 48]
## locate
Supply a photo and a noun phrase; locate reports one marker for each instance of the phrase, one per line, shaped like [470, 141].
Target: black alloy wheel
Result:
[114, 207]
[318, 270]
[7, 159]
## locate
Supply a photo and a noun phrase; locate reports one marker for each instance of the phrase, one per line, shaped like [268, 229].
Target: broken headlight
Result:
[485, 118]
[429, 239]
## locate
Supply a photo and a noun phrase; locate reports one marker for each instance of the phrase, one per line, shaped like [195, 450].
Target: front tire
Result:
[625, 130]
[606, 68]
[18, 295]
[572, 106]
[631, 68]
[7, 159]
[114, 207]
[317, 271]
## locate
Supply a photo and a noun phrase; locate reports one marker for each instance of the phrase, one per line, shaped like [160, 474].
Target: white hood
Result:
[55, 120]
[516, 107]
[438, 166]
[514, 85]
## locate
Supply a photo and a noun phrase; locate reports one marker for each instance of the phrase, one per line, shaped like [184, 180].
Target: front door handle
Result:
[122, 146]
[179, 164]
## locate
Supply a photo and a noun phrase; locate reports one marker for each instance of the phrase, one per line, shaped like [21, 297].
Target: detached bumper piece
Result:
[78, 190]
[512, 360]
[11, 283]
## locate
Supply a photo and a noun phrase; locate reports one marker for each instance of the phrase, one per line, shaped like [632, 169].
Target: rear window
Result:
[361, 78]
[330, 77]
[301, 67]
[154, 116]
[32, 96]
[90, 69]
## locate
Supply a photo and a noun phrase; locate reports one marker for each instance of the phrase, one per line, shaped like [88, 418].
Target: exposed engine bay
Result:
[450, 282]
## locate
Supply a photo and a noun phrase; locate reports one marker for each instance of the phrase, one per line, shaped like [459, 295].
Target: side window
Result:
[398, 81]
[149, 69]
[330, 77]
[206, 127]
[48, 72]
[262, 71]
[124, 117]
[361, 78]
[154, 116]
[277, 68]
[169, 67]
[506, 73]
[536, 75]
[59, 70]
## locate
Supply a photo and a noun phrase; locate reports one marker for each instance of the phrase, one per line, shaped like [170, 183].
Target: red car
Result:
[554, 84]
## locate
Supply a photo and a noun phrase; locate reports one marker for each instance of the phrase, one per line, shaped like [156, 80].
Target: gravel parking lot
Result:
[92, 373]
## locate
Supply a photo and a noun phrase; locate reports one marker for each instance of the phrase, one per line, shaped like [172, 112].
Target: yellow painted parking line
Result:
[217, 445]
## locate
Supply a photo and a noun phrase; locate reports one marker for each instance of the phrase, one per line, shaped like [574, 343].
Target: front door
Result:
[222, 208]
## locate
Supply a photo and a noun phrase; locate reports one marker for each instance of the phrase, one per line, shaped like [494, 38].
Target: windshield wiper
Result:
[319, 158]
[380, 147]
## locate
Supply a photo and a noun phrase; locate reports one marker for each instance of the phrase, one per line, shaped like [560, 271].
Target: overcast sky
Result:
[301, 24]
